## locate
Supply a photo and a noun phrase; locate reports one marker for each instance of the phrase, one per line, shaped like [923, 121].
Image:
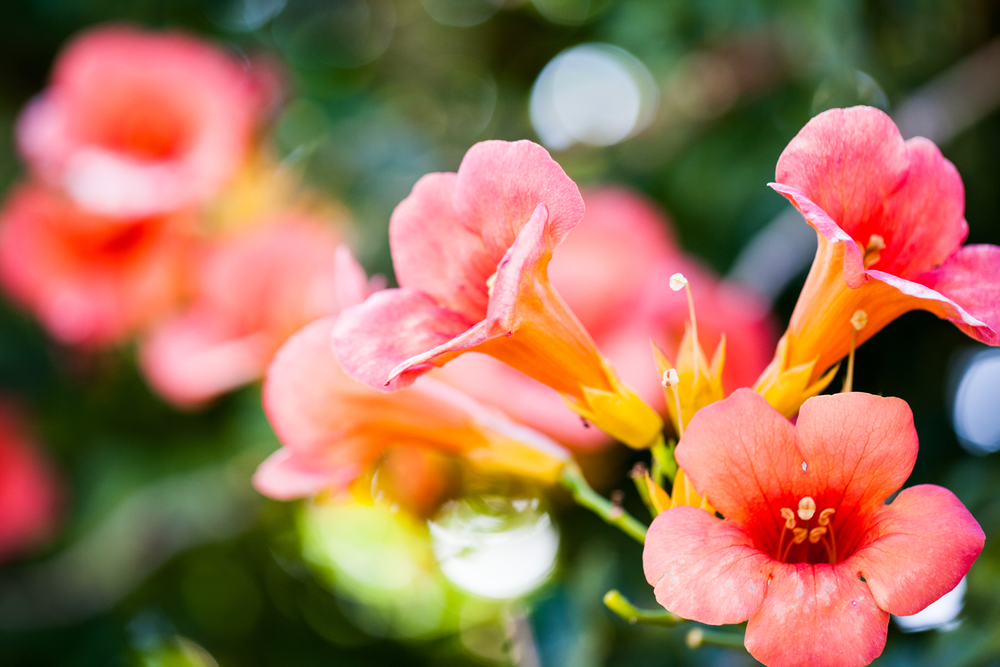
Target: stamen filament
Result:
[694, 331]
[858, 322]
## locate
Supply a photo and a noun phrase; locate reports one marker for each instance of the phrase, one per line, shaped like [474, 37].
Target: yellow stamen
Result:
[799, 535]
[876, 244]
[789, 517]
[807, 507]
[824, 516]
[815, 534]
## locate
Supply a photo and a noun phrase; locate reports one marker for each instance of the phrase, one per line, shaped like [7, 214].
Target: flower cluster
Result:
[152, 211]
[530, 322]
[559, 293]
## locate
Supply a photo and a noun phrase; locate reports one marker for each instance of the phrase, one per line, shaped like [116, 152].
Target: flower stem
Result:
[664, 464]
[849, 378]
[573, 480]
[619, 604]
[697, 637]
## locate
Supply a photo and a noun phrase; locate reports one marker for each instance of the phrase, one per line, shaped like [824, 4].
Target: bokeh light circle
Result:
[594, 94]
[975, 417]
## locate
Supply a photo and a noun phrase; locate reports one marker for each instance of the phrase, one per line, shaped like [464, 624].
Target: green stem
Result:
[573, 480]
[664, 464]
[619, 604]
[640, 486]
[697, 637]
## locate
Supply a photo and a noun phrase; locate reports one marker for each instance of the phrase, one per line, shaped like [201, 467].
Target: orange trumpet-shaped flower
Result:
[889, 217]
[335, 429]
[613, 271]
[471, 252]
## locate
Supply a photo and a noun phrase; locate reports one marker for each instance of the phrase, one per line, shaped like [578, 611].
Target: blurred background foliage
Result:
[168, 557]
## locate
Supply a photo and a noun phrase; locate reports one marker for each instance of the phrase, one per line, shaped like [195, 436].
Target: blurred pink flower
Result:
[613, 271]
[335, 429]
[30, 491]
[808, 551]
[92, 281]
[136, 123]
[254, 288]
[471, 252]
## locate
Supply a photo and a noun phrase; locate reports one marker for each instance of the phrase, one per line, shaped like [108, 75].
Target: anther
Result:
[824, 516]
[490, 282]
[789, 517]
[669, 378]
[815, 534]
[799, 535]
[876, 244]
[807, 507]
[678, 282]
[859, 320]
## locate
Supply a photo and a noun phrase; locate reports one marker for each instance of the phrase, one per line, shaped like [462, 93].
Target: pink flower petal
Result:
[188, 362]
[917, 549]
[923, 223]
[433, 251]
[820, 220]
[351, 282]
[392, 328]
[742, 454]
[911, 296]
[500, 185]
[861, 448]
[703, 568]
[285, 475]
[817, 615]
[971, 278]
[847, 161]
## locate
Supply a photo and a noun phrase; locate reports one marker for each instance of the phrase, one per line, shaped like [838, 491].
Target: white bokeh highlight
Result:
[594, 94]
[939, 615]
[496, 555]
[975, 417]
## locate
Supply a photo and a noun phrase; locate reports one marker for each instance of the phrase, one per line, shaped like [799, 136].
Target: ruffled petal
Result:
[831, 231]
[704, 568]
[817, 615]
[917, 549]
[847, 161]
[285, 475]
[860, 448]
[500, 184]
[742, 455]
[923, 223]
[433, 251]
[384, 342]
[971, 279]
